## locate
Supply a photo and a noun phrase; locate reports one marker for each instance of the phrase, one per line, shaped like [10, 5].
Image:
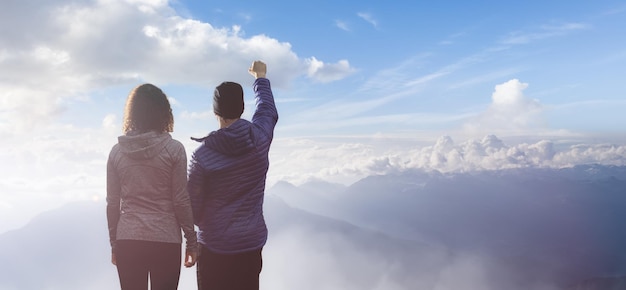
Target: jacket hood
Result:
[237, 139]
[143, 145]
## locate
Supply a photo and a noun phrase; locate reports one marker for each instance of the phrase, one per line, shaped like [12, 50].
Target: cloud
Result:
[110, 122]
[385, 86]
[510, 111]
[426, 78]
[451, 39]
[173, 102]
[543, 32]
[369, 18]
[342, 25]
[50, 167]
[485, 78]
[206, 115]
[59, 51]
[23, 108]
[301, 160]
[328, 72]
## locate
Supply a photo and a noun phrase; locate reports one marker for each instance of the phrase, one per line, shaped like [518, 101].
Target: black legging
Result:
[229, 271]
[136, 260]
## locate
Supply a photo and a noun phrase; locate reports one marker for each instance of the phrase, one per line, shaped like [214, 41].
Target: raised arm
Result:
[265, 114]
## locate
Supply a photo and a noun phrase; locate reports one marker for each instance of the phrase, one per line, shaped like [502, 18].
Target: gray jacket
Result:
[147, 190]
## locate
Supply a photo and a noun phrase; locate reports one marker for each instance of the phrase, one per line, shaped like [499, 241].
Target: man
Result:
[227, 185]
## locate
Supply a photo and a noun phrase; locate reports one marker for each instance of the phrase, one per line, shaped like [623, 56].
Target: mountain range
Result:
[532, 228]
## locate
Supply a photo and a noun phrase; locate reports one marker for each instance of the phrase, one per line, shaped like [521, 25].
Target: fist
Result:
[258, 69]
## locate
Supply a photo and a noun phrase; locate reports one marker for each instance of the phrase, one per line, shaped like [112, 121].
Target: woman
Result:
[147, 200]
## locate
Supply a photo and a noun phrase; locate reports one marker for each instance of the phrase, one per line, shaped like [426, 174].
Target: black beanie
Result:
[228, 100]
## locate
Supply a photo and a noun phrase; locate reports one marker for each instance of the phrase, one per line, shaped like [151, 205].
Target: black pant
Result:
[138, 259]
[229, 271]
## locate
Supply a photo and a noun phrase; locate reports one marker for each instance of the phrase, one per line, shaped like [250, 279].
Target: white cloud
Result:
[206, 115]
[510, 112]
[60, 52]
[47, 167]
[509, 93]
[301, 160]
[328, 72]
[22, 108]
[110, 122]
[64, 50]
[173, 102]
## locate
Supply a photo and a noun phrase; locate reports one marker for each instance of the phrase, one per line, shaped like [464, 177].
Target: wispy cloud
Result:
[452, 38]
[427, 78]
[342, 25]
[485, 78]
[588, 103]
[369, 18]
[543, 32]
[247, 17]
[384, 87]
[408, 79]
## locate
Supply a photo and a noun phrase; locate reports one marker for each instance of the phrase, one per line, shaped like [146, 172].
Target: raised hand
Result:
[258, 69]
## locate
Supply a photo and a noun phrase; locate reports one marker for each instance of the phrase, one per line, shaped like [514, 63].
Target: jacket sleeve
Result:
[195, 187]
[265, 115]
[182, 204]
[113, 198]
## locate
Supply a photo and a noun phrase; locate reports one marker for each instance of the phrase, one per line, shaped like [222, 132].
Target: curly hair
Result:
[147, 109]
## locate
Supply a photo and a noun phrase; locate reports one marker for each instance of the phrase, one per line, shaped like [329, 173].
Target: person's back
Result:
[140, 163]
[147, 201]
[227, 184]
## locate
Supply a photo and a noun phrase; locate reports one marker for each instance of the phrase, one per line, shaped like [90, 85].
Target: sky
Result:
[361, 87]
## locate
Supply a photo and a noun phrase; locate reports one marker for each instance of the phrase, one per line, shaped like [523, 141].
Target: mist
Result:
[537, 229]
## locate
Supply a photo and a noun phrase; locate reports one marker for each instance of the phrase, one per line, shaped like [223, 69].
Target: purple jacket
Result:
[227, 179]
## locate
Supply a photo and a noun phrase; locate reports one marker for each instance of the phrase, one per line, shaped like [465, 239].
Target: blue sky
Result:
[362, 88]
[440, 62]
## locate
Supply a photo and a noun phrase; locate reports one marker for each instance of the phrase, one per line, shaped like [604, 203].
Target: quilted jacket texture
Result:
[227, 179]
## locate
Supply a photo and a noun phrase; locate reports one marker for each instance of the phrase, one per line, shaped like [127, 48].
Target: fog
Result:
[538, 229]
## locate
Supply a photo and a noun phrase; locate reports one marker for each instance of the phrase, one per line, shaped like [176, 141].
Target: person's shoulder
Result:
[115, 146]
[175, 145]
[114, 149]
[175, 142]
[115, 155]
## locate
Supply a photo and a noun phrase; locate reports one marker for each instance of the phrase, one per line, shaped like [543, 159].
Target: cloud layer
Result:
[299, 161]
